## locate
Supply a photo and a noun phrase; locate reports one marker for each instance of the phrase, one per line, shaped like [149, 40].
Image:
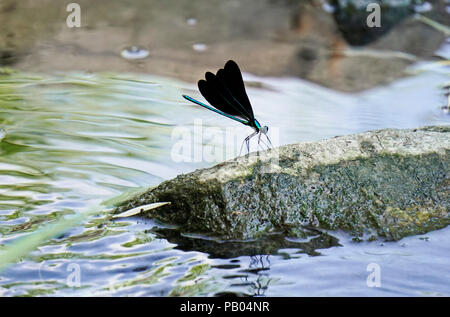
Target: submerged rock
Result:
[388, 183]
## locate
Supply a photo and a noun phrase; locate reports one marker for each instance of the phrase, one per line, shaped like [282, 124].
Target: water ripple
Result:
[68, 141]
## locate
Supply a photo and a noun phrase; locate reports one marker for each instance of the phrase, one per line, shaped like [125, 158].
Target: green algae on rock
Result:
[389, 183]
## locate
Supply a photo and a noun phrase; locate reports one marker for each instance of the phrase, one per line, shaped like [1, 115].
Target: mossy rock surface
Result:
[389, 183]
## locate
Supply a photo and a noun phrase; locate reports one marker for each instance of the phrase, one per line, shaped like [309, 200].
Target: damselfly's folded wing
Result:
[232, 77]
[226, 92]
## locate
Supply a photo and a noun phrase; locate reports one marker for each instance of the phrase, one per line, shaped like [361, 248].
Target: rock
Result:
[351, 18]
[338, 50]
[413, 37]
[391, 183]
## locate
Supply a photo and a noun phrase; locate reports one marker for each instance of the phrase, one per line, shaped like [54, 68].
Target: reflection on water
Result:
[70, 141]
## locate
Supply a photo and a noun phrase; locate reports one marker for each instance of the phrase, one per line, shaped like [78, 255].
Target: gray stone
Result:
[386, 183]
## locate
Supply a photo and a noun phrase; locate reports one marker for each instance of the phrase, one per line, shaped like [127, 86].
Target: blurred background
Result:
[88, 114]
[324, 41]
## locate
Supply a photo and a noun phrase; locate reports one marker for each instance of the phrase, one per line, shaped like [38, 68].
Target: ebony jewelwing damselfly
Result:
[225, 91]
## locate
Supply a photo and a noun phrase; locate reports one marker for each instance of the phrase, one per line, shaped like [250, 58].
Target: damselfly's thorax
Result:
[255, 125]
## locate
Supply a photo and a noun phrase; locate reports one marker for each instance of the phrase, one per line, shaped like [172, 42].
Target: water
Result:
[70, 141]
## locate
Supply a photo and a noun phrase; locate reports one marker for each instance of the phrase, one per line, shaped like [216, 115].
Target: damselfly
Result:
[225, 91]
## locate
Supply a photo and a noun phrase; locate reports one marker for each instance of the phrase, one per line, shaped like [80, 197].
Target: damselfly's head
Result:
[261, 129]
[264, 130]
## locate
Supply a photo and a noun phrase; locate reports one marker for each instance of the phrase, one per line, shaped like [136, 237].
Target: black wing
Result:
[233, 77]
[226, 92]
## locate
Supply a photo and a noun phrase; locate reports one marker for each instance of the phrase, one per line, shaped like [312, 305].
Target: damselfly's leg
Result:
[249, 138]
[259, 141]
[267, 147]
[268, 140]
[240, 151]
[247, 142]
